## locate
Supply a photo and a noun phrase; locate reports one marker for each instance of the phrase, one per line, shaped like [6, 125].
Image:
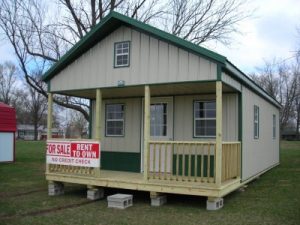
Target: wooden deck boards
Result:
[135, 181]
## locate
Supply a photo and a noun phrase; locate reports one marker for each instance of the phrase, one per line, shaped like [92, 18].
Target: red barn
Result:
[7, 133]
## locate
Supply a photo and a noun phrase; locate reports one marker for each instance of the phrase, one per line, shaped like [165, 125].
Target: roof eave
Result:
[244, 79]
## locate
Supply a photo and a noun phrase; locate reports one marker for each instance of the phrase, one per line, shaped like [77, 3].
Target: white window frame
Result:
[116, 54]
[112, 120]
[202, 119]
[256, 122]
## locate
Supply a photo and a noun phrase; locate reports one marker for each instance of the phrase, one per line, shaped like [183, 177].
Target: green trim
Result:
[186, 165]
[124, 128]
[219, 72]
[49, 86]
[129, 53]
[110, 23]
[173, 125]
[90, 119]
[121, 161]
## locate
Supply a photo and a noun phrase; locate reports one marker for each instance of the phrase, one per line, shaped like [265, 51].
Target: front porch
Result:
[203, 167]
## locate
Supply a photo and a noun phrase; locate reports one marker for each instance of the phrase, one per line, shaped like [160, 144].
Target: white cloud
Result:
[270, 33]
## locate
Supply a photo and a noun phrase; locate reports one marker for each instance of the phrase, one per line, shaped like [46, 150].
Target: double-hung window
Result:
[122, 51]
[114, 120]
[205, 118]
[256, 122]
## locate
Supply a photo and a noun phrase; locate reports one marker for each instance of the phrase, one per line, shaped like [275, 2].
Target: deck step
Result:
[120, 201]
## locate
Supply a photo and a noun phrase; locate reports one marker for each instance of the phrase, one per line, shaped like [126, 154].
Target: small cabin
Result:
[7, 133]
[167, 115]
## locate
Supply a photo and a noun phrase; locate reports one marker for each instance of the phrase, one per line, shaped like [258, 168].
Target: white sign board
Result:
[73, 153]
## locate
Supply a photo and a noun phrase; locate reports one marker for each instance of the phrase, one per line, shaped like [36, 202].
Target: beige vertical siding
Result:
[130, 142]
[231, 82]
[183, 117]
[151, 61]
[183, 121]
[258, 154]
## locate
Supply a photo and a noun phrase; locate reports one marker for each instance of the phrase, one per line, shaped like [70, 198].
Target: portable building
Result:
[171, 116]
[7, 133]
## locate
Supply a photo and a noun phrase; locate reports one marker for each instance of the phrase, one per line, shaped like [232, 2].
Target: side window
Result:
[274, 126]
[256, 122]
[122, 54]
[114, 124]
[205, 118]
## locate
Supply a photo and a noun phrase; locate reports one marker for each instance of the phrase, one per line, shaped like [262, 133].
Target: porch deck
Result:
[135, 181]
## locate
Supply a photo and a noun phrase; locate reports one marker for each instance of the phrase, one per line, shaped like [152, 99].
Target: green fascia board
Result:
[248, 82]
[111, 22]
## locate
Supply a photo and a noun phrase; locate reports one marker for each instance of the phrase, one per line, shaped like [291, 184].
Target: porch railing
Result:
[191, 161]
[231, 160]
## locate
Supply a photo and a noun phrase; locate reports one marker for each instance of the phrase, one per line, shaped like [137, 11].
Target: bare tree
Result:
[281, 81]
[8, 76]
[76, 124]
[40, 36]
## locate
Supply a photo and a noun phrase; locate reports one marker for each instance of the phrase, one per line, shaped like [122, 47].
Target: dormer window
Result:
[122, 50]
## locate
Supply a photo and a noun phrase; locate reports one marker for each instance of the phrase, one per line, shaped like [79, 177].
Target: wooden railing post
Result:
[218, 166]
[146, 131]
[98, 121]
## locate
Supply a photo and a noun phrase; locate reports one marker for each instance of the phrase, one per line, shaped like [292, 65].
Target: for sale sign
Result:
[73, 153]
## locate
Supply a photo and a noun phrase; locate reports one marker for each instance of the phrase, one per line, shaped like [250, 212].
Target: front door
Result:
[161, 129]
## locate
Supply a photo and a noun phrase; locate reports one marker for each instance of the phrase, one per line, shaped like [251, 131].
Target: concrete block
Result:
[214, 203]
[95, 193]
[120, 201]
[158, 200]
[55, 188]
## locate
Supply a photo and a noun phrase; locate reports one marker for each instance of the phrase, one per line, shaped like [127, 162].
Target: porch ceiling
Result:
[156, 90]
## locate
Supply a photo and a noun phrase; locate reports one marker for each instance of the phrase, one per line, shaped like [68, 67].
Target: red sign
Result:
[74, 153]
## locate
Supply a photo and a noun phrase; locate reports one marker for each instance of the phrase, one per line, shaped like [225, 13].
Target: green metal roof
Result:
[114, 20]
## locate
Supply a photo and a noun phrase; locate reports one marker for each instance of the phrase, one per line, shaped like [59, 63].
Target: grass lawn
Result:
[272, 199]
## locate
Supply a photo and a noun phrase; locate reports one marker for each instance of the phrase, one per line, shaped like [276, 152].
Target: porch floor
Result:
[135, 181]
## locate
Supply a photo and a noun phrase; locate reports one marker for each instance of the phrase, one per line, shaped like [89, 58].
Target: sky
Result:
[270, 32]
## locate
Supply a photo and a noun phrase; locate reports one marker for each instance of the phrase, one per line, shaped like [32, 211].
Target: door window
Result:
[158, 120]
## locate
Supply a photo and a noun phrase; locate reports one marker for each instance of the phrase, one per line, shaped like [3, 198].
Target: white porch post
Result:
[146, 130]
[49, 116]
[98, 122]
[218, 156]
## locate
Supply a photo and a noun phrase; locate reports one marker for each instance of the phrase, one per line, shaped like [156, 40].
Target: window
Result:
[205, 118]
[256, 122]
[274, 126]
[114, 120]
[158, 119]
[122, 54]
